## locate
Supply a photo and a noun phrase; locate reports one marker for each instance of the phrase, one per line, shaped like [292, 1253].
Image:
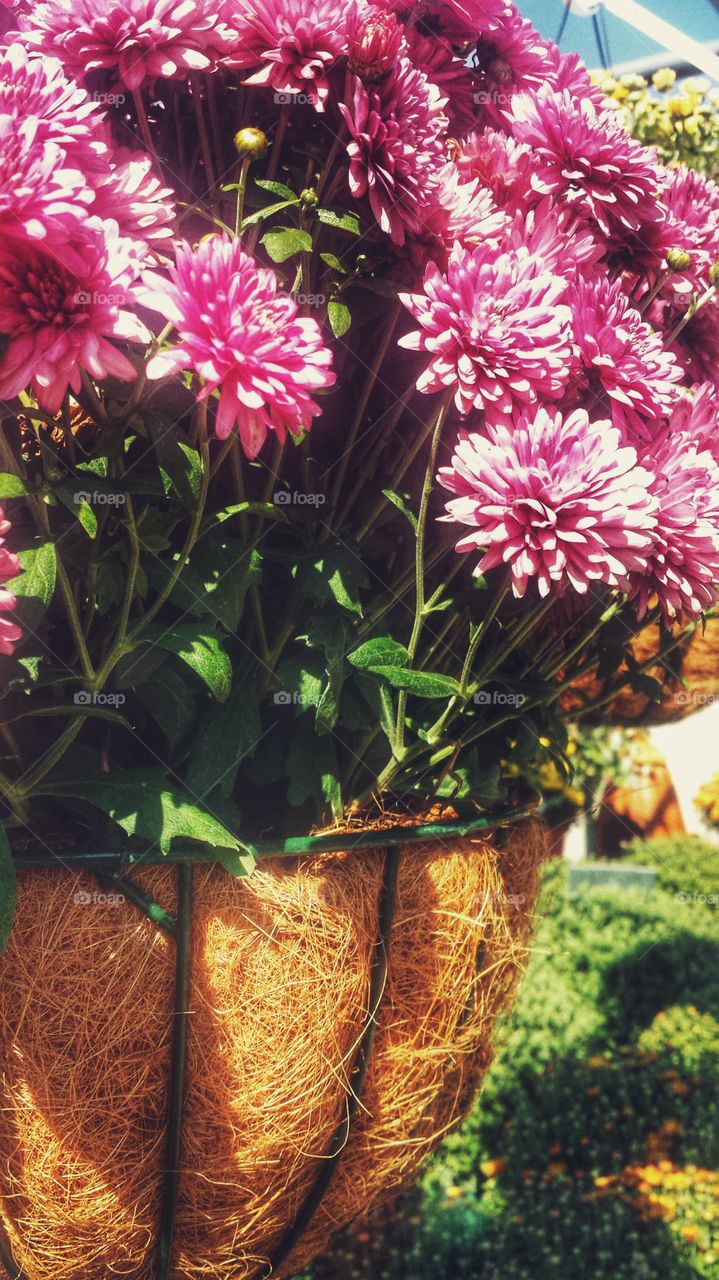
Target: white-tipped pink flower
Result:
[493, 328]
[242, 337]
[60, 321]
[558, 502]
[683, 569]
[293, 44]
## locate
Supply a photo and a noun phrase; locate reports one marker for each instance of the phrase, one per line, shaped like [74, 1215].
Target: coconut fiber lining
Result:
[281, 967]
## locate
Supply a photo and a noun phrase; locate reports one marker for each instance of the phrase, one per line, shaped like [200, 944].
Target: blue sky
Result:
[697, 18]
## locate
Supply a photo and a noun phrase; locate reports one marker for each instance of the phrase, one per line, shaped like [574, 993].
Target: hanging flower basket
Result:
[216, 1089]
[676, 679]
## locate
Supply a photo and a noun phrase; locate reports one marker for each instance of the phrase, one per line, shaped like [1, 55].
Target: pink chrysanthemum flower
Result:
[243, 337]
[558, 501]
[683, 569]
[35, 87]
[374, 40]
[555, 239]
[134, 197]
[41, 198]
[696, 414]
[436, 59]
[396, 131]
[504, 166]
[588, 162]
[621, 357]
[293, 43]
[10, 632]
[567, 71]
[510, 60]
[493, 328]
[692, 204]
[461, 21]
[138, 40]
[60, 321]
[464, 213]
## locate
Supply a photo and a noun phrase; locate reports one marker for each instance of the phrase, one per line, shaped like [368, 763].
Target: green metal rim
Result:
[295, 846]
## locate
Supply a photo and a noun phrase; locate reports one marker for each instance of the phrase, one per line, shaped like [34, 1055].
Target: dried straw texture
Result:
[690, 682]
[281, 969]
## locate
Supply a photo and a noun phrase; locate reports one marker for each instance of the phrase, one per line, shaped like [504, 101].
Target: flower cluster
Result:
[560, 279]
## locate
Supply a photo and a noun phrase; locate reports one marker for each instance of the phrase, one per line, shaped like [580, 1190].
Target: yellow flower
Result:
[664, 79]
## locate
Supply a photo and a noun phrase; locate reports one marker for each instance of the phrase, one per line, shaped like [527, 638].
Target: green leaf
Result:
[180, 468]
[201, 650]
[147, 806]
[381, 652]
[277, 188]
[8, 889]
[215, 582]
[335, 575]
[172, 699]
[399, 502]
[267, 509]
[342, 221]
[235, 724]
[339, 317]
[423, 684]
[12, 486]
[268, 210]
[301, 679]
[63, 710]
[78, 506]
[333, 261]
[35, 586]
[329, 634]
[285, 242]
[313, 772]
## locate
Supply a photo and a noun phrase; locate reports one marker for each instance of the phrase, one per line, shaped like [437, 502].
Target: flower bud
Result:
[714, 274]
[374, 39]
[678, 260]
[309, 198]
[251, 143]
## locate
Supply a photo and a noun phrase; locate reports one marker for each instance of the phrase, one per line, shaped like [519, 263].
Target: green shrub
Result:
[686, 866]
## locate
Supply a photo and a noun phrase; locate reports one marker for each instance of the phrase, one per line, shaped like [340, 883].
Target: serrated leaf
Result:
[339, 317]
[201, 650]
[35, 586]
[8, 889]
[11, 486]
[342, 221]
[285, 242]
[380, 652]
[148, 807]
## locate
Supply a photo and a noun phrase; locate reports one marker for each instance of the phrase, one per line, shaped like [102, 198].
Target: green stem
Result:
[241, 188]
[419, 608]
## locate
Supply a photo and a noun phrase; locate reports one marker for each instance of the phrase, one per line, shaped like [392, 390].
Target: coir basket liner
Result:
[283, 965]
